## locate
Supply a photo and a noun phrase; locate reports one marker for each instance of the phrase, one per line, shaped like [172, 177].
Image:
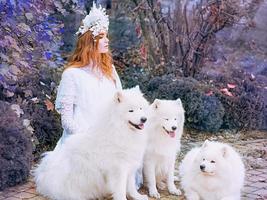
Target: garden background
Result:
[210, 53]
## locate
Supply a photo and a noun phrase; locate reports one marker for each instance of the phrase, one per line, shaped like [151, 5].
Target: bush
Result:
[132, 76]
[245, 105]
[15, 148]
[202, 112]
[34, 94]
[247, 110]
[45, 121]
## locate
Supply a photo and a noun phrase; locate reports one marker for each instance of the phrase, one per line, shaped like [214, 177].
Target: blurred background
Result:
[210, 53]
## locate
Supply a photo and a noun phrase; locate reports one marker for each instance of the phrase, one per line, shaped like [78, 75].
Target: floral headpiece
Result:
[96, 21]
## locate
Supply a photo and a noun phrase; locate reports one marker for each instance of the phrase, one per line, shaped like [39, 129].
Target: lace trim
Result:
[66, 108]
[65, 102]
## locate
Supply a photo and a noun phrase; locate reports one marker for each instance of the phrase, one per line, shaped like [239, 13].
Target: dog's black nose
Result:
[202, 167]
[174, 128]
[143, 119]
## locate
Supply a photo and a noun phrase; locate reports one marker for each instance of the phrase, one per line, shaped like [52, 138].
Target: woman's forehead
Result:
[104, 33]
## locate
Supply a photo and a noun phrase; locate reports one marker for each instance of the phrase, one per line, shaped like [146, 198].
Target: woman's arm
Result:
[117, 78]
[65, 101]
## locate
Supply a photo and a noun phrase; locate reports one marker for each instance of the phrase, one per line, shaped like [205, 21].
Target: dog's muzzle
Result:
[170, 133]
[202, 168]
[138, 126]
[204, 172]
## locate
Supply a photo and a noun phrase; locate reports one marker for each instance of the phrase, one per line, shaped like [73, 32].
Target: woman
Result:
[89, 80]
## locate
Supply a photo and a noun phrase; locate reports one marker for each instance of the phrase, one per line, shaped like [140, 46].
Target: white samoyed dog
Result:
[214, 171]
[164, 128]
[103, 162]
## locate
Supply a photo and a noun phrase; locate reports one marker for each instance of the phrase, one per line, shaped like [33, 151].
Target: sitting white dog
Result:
[214, 171]
[164, 128]
[103, 163]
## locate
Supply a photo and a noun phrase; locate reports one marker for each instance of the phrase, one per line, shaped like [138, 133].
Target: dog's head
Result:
[212, 158]
[132, 107]
[169, 116]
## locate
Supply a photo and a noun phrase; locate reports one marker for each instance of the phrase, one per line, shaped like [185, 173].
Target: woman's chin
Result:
[104, 51]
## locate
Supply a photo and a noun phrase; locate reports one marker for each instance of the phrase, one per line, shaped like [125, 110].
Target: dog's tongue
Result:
[141, 126]
[172, 134]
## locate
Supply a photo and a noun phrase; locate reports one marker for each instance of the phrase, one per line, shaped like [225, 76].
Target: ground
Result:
[252, 145]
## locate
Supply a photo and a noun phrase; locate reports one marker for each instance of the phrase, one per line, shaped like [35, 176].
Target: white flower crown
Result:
[96, 21]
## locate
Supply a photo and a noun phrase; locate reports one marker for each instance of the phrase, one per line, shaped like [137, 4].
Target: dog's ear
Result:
[179, 102]
[118, 97]
[137, 87]
[205, 144]
[156, 103]
[225, 151]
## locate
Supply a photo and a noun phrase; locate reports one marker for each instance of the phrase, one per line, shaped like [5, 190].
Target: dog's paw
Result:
[231, 198]
[142, 197]
[175, 191]
[176, 178]
[154, 193]
[192, 196]
[161, 185]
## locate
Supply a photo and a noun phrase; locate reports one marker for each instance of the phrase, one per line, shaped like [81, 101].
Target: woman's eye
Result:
[166, 119]
[212, 161]
[130, 110]
[203, 159]
[175, 119]
[140, 108]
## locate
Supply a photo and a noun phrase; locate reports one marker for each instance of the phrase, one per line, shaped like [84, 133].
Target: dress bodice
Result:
[82, 96]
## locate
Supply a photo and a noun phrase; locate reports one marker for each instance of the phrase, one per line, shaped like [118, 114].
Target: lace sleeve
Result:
[65, 101]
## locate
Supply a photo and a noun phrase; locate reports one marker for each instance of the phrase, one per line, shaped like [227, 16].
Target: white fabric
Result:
[81, 98]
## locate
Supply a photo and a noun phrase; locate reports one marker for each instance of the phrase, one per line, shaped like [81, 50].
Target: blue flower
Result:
[48, 55]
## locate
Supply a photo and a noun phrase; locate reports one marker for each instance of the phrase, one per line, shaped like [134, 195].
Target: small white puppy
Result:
[164, 128]
[214, 171]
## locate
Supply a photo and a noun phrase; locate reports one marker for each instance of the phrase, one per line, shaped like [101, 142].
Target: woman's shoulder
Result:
[70, 71]
[113, 67]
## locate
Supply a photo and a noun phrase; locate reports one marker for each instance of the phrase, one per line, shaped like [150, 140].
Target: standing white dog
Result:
[214, 171]
[164, 128]
[95, 165]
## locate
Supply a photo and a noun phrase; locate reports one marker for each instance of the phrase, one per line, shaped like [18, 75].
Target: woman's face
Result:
[103, 43]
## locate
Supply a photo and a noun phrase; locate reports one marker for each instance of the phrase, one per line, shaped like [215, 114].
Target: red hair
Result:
[86, 52]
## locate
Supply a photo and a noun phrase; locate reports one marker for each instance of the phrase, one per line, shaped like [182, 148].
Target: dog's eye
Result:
[130, 110]
[212, 161]
[140, 108]
[175, 119]
[166, 119]
[204, 159]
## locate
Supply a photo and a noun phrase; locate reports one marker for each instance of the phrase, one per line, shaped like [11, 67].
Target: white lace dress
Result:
[81, 97]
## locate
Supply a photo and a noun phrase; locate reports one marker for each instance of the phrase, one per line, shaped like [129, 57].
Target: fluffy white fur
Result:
[164, 127]
[214, 171]
[100, 163]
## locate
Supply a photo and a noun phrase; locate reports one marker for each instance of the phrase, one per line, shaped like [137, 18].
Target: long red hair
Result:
[86, 51]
